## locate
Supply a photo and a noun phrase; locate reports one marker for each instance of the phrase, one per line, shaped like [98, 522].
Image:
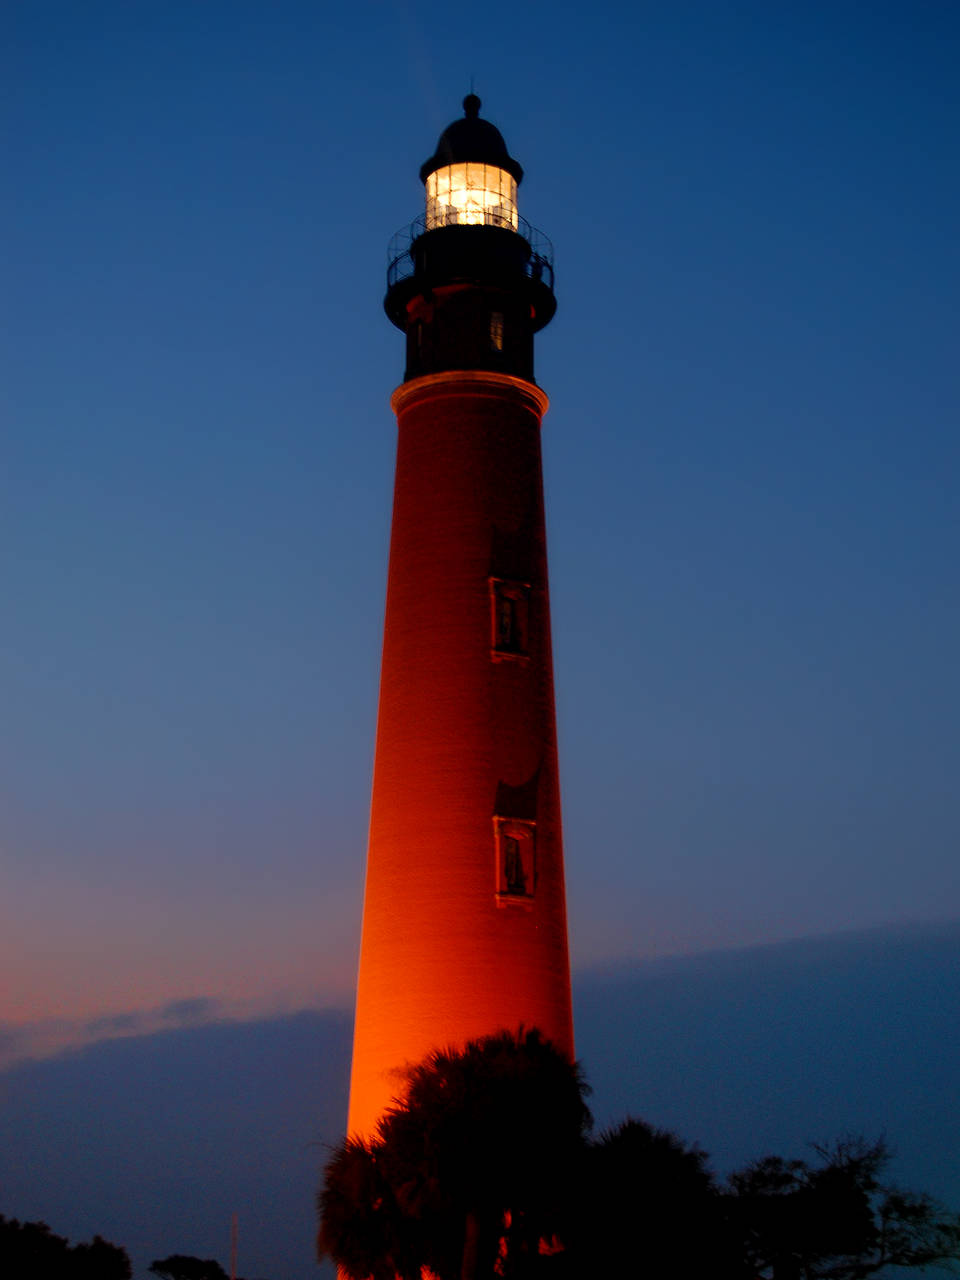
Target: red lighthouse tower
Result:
[464, 922]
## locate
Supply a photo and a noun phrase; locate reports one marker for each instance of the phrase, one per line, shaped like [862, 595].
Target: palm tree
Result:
[362, 1228]
[647, 1201]
[473, 1166]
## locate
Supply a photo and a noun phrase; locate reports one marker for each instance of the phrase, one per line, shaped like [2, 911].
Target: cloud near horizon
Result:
[45, 1038]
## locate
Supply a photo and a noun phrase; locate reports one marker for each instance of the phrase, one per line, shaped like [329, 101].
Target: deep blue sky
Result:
[751, 462]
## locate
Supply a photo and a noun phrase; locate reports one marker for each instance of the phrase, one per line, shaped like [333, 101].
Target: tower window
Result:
[515, 843]
[496, 330]
[510, 618]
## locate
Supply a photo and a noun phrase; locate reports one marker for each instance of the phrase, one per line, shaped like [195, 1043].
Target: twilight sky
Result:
[751, 466]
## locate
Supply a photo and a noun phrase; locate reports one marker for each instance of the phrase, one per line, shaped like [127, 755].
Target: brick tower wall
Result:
[464, 924]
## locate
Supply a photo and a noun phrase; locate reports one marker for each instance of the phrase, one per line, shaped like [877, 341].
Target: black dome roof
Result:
[471, 139]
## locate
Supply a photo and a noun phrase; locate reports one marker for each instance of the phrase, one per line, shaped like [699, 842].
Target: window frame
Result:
[524, 832]
[518, 593]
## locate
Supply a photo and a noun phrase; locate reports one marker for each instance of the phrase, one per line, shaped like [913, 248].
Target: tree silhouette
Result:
[835, 1220]
[474, 1166]
[183, 1266]
[99, 1260]
[32, 1249]
[485, 1167]
[362, 1225]
[646, 1194]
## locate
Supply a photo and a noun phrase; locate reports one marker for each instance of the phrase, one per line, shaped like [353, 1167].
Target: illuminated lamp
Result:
[471, 195]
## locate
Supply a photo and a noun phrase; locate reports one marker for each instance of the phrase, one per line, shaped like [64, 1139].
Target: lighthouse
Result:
[464, 918]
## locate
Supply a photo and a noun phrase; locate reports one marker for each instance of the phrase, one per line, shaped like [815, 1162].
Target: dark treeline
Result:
[31, 1251]
[183, 1266]
[487, 1167]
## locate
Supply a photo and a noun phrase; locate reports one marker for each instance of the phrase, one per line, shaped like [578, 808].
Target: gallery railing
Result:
[539, 265]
